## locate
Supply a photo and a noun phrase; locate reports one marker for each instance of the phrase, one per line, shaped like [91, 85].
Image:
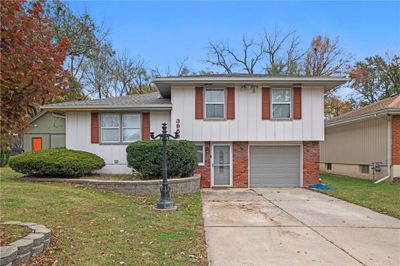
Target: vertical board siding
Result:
[230, 103]
[362, 142]
[248, 124]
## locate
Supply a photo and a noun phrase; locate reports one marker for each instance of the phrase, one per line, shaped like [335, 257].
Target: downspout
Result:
[389, 150]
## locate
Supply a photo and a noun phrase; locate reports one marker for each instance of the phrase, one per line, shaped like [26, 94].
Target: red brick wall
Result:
[396, 140]
[205, 170]
[240, 164]
[310, 162]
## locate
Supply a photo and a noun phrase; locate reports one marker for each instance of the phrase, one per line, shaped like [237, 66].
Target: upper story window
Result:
[215, 103]
[117, 128]
[281, 103]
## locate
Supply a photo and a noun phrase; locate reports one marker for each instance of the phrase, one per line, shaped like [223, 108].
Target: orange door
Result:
[36, 144]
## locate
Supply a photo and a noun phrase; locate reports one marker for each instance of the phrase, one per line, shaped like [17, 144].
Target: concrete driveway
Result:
[295, 227]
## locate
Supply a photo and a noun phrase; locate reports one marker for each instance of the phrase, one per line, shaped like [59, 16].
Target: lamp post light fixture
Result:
[165, 203]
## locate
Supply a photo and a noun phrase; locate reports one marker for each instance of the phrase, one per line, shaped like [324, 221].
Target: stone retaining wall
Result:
[20, 251]
[135, 187]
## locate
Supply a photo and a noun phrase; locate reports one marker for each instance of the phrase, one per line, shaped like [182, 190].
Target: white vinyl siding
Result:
[281, 103]
[248, 124]
[215, 103]
[78, 133]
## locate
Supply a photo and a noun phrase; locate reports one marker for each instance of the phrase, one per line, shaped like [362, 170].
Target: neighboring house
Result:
[249, 130]
[354, 140]
[46, 130]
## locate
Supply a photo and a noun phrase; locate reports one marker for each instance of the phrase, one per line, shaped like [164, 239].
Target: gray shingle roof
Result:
[137, 100]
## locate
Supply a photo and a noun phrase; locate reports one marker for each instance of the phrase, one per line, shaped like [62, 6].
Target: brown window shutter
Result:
[145, 126]
[94, 128]
[230, 104]
[266, 103]
[297, 103]
[199, 103]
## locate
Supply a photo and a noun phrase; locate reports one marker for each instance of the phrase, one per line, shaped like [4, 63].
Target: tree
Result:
[376, 77]
[283, 53]
[222, 55]
[31, 64]
[335, 106]
[325, 57]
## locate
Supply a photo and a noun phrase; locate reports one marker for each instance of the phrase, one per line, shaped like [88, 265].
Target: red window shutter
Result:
[297, 103]
[230, 107]
[199, 103]
[94, 128]
[266, 103]
[145, 126]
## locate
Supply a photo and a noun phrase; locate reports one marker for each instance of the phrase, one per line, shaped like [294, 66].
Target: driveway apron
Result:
[294, 226]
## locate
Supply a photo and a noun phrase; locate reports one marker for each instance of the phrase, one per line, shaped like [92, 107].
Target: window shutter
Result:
[199, 103]
[266, 103]
[297, 103]
[145, 126]
[230, 104]
[94, 128]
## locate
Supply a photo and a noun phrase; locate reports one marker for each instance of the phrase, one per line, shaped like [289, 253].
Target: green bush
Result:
[57, 162]
[146, 158]
[4, 157]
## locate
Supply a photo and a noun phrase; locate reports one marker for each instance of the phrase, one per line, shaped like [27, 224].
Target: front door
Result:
[221, 165]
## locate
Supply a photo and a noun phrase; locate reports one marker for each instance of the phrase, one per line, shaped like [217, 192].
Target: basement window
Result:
[364, 169]
[328, 166]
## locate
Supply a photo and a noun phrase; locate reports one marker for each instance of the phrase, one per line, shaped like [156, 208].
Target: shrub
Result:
[4, 157]
[57, 162]
[146, 158]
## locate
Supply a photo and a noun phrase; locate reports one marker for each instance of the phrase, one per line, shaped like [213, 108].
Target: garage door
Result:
[274, 166]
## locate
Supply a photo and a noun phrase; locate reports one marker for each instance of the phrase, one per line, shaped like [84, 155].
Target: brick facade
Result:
[205, 170]
[240, 164]
[396, 140]
[310, 163]
[241, 167]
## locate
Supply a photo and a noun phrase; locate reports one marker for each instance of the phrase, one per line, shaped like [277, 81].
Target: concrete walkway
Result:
[295, 227]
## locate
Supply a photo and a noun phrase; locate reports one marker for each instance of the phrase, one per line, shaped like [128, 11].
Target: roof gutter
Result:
[249, 79]
[165, 107]
[362, 117]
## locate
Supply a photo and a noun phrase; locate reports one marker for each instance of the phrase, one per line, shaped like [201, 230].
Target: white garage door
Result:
[274, 166]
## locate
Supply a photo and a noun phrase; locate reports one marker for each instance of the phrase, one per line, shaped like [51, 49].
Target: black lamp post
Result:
[165, 202]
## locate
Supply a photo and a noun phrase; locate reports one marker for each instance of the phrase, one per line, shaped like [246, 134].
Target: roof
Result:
[389, 105]
[149, 101]
[164, 83]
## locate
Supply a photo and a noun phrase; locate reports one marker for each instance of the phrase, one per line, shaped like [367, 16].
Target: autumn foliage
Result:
[31, 64]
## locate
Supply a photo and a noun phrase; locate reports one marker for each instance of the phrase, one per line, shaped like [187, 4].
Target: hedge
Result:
[57, 162]
[146, 158]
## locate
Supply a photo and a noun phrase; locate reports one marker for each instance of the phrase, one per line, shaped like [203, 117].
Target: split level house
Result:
[249, 130]
[357, 141]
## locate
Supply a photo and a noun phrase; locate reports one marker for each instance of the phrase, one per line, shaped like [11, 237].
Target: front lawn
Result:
[91, 227]
[383, 197]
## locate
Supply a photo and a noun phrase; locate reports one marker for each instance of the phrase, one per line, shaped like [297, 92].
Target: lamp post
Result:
[165, 202]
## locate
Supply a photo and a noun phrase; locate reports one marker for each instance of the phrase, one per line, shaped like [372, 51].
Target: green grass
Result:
[91, 227]
[11, 232]
[383, 197]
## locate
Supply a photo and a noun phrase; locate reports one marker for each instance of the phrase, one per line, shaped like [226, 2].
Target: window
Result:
[130, 127]
[215, 103]
[200, 154]
[281, 103]
[328, 166]
[117, 128]
[110, 124]
[364, 169]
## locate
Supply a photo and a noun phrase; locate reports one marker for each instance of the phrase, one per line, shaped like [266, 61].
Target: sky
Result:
[161, 33]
